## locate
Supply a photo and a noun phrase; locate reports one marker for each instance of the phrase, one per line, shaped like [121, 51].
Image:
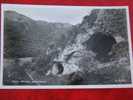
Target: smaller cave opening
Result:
[58, 68]
[101, 44]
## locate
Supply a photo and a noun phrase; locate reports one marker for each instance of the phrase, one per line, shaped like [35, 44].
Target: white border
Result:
[67, 86]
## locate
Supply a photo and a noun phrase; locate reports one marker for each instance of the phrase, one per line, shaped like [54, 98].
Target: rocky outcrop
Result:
[106, 37]
[113, 21]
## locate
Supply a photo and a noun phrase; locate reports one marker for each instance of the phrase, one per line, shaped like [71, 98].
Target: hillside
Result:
[29, 36]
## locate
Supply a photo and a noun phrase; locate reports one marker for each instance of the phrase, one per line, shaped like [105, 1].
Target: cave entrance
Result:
[101, 44]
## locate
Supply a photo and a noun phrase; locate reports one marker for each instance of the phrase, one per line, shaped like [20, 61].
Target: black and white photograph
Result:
[48, 45]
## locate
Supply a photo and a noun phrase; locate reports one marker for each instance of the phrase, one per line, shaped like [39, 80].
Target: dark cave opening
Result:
[101, 44]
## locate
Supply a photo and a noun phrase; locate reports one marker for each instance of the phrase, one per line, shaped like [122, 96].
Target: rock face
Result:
[95, 51]
[101, 51]
[112, 21]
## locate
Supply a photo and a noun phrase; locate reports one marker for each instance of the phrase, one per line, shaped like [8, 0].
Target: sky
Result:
[62, 14]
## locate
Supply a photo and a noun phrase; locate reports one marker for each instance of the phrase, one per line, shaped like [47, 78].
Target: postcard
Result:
[55, 46]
